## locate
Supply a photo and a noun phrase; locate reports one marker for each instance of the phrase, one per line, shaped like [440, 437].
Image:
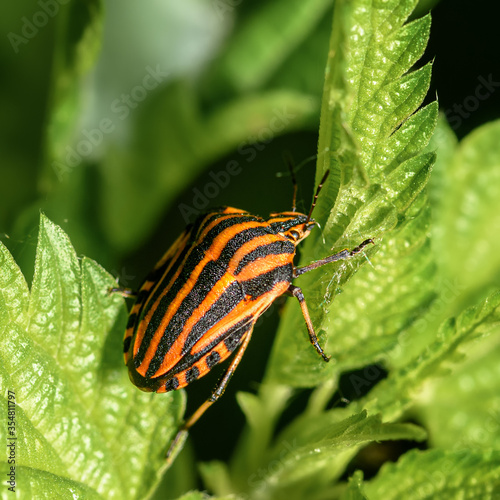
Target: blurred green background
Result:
[115, 142]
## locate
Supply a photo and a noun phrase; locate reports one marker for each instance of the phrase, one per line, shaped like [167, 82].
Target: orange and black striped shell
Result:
[206, 293]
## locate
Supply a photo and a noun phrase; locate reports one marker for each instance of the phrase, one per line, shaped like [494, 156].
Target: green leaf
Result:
[199, 495]
[304, 68]
[78, 44]
[471, 389]
[394, 394]
[444, 142]
[216, 477]
[354, 490]
[80, 424]
[263, 41]
[262, 414]
[372, 139]
[14, 293]
[438, 474]
[425, 6]
[38, 484]
[67, 197]
[386, 297]
[194, 495]
[466, 208]
[312, 452]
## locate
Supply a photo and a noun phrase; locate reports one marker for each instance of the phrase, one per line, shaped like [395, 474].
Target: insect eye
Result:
[294, 234]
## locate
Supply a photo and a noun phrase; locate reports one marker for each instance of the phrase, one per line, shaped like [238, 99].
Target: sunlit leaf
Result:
[80, 425]
[394, 394]
[439, 474]
[312, 453]
[371, 138]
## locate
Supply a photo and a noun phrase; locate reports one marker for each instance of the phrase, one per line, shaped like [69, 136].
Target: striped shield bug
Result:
[202, 299]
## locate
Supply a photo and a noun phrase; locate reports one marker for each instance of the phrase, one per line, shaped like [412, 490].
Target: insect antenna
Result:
[318, 189]
[287, 158]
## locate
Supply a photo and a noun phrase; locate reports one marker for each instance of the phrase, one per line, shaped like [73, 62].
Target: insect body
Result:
[201, 301]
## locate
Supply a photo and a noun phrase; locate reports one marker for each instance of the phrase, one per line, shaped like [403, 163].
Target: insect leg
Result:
[297, 292]
[343, 255]
[216, 394]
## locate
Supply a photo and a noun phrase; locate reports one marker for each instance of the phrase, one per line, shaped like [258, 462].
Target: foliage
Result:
[411, 324]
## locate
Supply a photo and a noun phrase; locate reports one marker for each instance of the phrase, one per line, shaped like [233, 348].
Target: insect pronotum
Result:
[202, 299]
